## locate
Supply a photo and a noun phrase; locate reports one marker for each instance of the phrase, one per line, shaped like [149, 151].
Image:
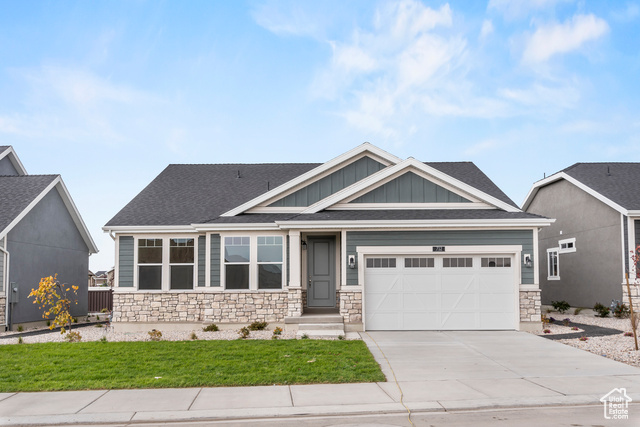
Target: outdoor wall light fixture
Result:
[528, 262]
[304, 245]
[352, 261]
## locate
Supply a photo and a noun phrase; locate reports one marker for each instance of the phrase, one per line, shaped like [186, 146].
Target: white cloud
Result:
[487, 29]
[482, 147]
[555, 39]
[287, 19]
[628, 14]
[515, 9]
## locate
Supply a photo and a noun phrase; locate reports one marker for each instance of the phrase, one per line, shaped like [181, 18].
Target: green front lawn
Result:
[113, 365]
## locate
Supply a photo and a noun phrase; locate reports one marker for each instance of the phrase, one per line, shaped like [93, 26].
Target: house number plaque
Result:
[438, 249]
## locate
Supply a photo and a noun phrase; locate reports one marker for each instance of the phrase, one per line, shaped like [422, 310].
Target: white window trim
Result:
[253, 262]
[549, 276]
[166, 266]
[562, 250]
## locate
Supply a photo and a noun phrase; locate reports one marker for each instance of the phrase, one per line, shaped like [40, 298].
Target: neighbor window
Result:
[553, 264]
[457, 262]
[237, 259]
[269, 262]
[150, 264]
[567, 245]
[418, 262]
[495, 262]
[181, 263]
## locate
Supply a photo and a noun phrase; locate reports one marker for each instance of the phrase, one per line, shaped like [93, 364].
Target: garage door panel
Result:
[437, 298]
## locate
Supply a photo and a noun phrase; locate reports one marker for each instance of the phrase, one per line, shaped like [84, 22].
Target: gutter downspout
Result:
[5, 277]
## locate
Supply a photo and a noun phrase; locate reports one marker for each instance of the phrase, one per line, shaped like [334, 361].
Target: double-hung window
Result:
[150, 264]
[269, 262]
[181, 263]
[253, 262]
[237, 260]
[553, 264]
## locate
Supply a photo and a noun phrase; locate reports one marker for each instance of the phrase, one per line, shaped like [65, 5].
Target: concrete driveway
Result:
[470, 369]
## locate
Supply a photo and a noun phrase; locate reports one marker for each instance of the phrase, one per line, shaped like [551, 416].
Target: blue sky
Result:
[107, 93]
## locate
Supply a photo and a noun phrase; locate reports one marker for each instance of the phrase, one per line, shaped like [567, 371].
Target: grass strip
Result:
[165, 364]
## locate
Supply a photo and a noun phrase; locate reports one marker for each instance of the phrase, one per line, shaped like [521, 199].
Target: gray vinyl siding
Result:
[2, 255]
[410, 188]
[6, 167]
[331, 184]
[125, 262]
[215, 260]
[202, 260]
[440, 238]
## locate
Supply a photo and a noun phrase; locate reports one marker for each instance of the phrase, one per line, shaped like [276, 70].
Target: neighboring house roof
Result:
[20, 194]
[615, 184]
[197, 194]
[7, 151]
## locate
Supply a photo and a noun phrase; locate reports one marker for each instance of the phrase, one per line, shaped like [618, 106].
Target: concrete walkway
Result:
[437, 371]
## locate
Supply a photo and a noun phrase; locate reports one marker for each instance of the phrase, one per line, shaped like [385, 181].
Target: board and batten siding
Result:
[125, 262]
[441, 238]
[410, 188]
[215, 259]
[202, 260]
[331, 184]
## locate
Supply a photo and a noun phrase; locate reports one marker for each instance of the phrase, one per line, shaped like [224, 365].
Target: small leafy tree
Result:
[55, 299]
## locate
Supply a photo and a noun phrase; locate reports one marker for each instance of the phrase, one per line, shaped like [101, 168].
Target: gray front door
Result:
[321, 268]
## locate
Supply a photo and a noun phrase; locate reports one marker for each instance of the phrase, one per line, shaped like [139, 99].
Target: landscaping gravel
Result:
[616, 347]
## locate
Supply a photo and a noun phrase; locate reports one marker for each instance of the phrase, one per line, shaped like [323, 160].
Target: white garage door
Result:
[435, 292]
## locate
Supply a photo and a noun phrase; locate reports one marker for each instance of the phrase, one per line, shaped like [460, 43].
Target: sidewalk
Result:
[448, 371]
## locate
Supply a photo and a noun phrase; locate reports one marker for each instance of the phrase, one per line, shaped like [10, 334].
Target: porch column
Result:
[294, 259]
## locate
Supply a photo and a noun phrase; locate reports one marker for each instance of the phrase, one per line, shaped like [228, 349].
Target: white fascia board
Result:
[405, 165]
[134, 229]
[406, 206]
[362, 148]
[75, 215]
[14, 159]
[479, 224]
[633, 213]
[71, 208]
[232, 227]
[580, 185]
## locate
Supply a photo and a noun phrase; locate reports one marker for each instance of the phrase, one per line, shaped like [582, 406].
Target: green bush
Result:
[244, 332]
[73, 337]
[258, 326]
[560, 306]
[621, 310]
[602, 310]
[211, 328]
[155, 335]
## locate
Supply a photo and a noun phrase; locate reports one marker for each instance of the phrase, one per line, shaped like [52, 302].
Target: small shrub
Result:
[73, 337]
[304, 337]
[98, 325]
[74, 320]
[583, 338]
[155, 335]
[104, 310]
[274, 337]
[20, 328]
[244, 333]
[20, 340]
[575, 328]
[621, 310]
[545, 319]
[98, 318]
[566, 321]
[578, 310]
[258, 326]
[103, 339]
[628, 334]
[277, 331]
[547, 331]
[602, 310]
[194, 336]
[211, 328]
[341, 337]
[560, 306]
[48, 323]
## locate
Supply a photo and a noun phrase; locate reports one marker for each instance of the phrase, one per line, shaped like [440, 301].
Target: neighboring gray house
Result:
[41, 234]
[587, 250]
[380, 242]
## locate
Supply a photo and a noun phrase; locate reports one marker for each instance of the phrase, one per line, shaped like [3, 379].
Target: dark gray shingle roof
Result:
[4, 148]
[616, 181]
[16, 192]
[187, 194]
